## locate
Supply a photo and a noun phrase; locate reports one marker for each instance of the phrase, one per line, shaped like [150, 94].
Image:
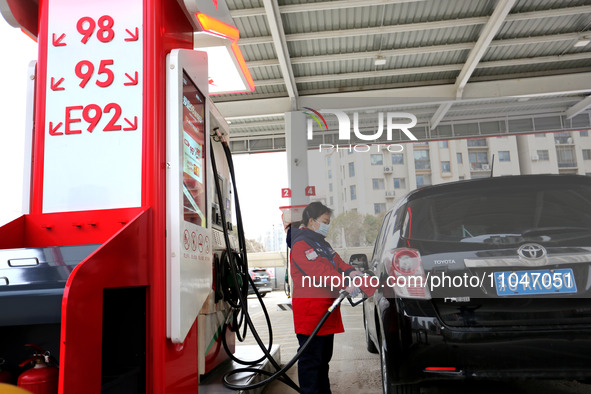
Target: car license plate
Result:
[264, 279]
[556, 281]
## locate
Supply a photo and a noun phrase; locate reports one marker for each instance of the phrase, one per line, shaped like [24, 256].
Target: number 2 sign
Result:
[93, 105]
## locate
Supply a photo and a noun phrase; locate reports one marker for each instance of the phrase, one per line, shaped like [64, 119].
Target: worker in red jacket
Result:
[318, 274]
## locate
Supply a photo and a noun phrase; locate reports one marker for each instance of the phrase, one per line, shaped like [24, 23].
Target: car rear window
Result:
[513, 214]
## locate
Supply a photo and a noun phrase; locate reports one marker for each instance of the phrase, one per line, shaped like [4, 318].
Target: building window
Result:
[586, 154]
[353, 189]
[329, 174]
[566, 157]
[331, 201]
[461, 178]
[397, 158]
[443, 144]
[422, 161]
[423, 180]
[445, 167]
[540, 135]
[504, 155]
[584, 133]
[377, 160]
[543, 155]
[399, 183]
[379, 208]
[351, 169]
[330, 187]
[377, 184]
[478, 160]
[459, 157]
[328, 161]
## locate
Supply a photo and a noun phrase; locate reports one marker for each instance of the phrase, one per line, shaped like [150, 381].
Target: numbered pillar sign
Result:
[286, 193]
[93, 105]
[310, 190]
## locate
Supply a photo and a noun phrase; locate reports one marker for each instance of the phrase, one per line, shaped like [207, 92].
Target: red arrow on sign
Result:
[132, 126]
[133, 80]
[55, 85]
[133, 36]
[52, 130]
[58, 43]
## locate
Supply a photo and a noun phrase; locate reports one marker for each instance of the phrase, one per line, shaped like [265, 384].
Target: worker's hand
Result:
[353, 291]
[355, 273]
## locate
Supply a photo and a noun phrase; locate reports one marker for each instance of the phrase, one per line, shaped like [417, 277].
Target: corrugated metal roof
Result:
[544, 26]
[537, 5]
[424, 42]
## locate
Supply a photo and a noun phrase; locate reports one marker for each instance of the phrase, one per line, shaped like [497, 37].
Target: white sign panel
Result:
[93, 113]
[188, 197]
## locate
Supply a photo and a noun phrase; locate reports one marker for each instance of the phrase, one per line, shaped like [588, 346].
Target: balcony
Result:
[479, 167]
[422, 165]
[564, 140]
[477, 143]
[567, 164]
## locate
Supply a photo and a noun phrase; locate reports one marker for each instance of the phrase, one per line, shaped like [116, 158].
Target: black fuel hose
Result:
[241, 306]
[281, 373]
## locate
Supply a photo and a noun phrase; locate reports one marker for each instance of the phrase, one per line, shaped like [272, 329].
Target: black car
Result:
[486, 278]
[262, 281]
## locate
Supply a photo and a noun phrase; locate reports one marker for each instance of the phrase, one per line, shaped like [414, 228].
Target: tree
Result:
[351, 225]
[358, 230]
[371, 226]
[253, 246]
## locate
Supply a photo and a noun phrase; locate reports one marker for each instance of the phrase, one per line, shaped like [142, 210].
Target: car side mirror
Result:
[359, 261]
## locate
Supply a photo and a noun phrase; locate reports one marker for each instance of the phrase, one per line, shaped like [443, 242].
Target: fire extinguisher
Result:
[42, 378]
[5, 376]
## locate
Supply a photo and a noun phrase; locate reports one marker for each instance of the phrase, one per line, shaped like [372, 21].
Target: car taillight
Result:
[406, 261]
[408, 274]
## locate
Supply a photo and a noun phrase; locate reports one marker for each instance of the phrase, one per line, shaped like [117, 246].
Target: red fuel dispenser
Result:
[88, 271]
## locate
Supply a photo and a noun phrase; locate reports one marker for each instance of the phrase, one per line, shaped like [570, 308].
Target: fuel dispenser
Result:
[112, 268]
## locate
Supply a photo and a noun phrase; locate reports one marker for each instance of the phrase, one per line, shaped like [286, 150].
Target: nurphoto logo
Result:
[402, 121]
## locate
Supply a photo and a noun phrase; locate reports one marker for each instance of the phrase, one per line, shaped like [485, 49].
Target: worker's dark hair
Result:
[313, 211]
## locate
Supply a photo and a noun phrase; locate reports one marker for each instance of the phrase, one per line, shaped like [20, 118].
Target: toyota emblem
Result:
[532, 251]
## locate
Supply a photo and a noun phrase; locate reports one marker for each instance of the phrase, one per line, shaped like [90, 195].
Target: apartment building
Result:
[371, 182]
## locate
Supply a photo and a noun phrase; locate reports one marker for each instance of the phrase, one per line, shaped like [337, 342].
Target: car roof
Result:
[497, 182]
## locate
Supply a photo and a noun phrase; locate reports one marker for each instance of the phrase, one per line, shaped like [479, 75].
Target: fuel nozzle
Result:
[342, 295]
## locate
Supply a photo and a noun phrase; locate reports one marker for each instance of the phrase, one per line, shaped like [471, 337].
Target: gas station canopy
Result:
[462, 61]
[448, 61]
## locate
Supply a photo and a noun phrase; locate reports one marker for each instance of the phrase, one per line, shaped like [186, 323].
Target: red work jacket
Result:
[311, 301]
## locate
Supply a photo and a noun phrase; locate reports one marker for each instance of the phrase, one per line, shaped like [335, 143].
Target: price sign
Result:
[93, 111]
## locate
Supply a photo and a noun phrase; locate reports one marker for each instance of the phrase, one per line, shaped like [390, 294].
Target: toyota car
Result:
[486, 278]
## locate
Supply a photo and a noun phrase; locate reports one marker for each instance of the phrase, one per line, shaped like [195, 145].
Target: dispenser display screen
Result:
[194, 193]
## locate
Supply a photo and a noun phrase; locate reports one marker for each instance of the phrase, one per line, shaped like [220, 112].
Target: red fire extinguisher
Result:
[42, 378]
[5, 376]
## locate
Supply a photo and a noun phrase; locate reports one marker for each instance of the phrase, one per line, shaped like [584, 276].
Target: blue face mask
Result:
[323, 228]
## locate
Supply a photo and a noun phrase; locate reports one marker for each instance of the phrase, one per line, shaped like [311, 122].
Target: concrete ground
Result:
[354, 370]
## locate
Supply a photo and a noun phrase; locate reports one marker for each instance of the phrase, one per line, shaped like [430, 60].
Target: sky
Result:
[17, 51]
[260, 177]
